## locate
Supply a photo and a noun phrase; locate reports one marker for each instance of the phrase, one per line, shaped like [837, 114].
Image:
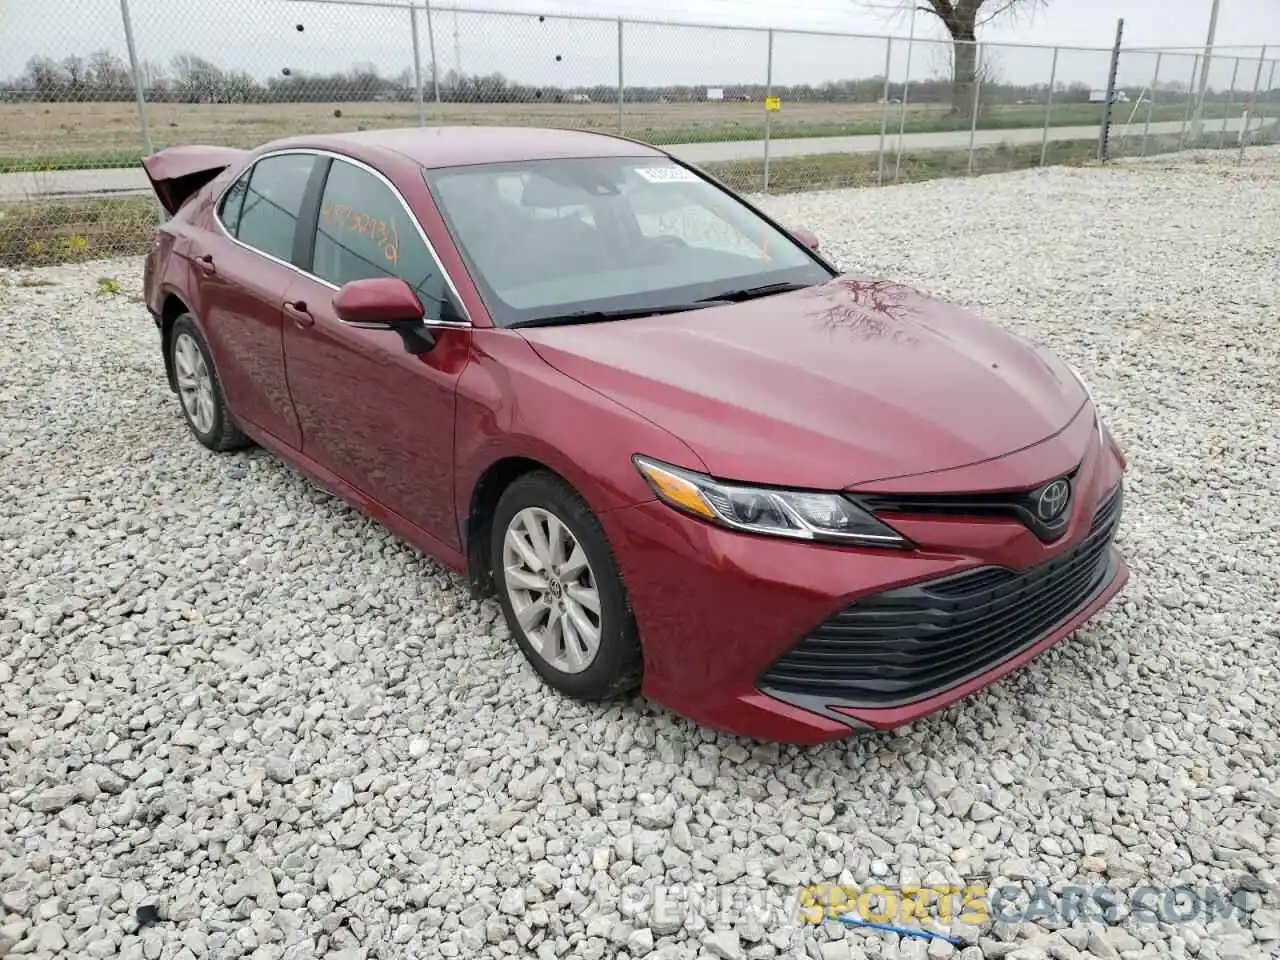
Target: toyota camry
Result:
[689, 455]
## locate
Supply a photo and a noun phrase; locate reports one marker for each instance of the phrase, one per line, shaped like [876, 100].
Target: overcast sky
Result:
[261, 36]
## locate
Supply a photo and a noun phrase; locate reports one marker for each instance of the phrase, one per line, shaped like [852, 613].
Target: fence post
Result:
[138, 93]
[768, 114]
[977, 100]
[1048, 109]
[884, 104]
[1105, 133]
[620, 80]
[431, 48]
[1191, 94]
[1271, 76]
[417, 66]
[1151, 97]
[906, 86]
[1253, 101]
[1197, 114]
[1231, 100]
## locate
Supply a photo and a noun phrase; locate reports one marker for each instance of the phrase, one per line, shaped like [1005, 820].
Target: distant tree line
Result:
[187, 78]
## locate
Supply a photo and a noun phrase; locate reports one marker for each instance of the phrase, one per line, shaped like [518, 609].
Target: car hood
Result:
[829, 387]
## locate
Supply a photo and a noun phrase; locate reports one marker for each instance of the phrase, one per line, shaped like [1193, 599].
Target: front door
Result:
[372, 413]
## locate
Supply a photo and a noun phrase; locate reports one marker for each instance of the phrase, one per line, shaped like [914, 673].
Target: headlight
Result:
[798, 514]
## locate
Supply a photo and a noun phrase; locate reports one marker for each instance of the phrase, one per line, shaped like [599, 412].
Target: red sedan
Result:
[688, 455]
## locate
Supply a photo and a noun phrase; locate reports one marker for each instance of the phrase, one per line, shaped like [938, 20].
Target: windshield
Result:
[609, 236]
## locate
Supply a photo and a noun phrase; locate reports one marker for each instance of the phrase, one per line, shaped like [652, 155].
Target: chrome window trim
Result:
[319, 152]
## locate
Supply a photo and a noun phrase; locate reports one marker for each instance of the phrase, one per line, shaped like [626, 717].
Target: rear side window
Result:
[232, 201]
[365, 231]
[268, 215]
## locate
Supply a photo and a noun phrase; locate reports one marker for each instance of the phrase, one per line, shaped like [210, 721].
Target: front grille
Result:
[907, 644]
[1019, 505]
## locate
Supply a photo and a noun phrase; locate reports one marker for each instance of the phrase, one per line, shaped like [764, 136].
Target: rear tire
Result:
[561, 591]
[199, 390]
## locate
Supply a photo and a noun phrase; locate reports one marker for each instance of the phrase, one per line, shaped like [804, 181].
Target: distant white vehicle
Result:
[1100, 96]
[715, 93]
[579, 98]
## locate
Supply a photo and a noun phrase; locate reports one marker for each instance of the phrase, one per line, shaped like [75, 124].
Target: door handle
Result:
[206, 266]
[298, 311]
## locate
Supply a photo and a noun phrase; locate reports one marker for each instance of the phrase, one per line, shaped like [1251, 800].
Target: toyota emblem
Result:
[1052, 500]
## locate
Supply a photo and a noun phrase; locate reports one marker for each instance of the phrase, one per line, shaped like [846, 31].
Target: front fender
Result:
[512, 404]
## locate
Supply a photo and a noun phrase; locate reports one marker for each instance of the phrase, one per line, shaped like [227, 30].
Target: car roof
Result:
[453, 146]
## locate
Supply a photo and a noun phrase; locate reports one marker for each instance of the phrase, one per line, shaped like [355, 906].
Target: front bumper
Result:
[767, 638]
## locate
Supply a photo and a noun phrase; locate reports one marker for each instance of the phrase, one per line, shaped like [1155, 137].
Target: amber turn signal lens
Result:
[676, 490]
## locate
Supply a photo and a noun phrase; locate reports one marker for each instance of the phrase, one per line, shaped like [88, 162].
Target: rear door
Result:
[243, 285]
[372, 413]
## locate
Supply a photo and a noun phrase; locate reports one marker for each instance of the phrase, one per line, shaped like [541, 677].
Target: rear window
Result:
[268, 219]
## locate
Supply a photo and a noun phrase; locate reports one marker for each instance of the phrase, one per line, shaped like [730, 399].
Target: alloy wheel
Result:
[195, 382]
[552, 589]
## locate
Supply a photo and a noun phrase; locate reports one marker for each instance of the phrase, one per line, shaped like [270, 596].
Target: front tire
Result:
[199, 390]
[561, 591]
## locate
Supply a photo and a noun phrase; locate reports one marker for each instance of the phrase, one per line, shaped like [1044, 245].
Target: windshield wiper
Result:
[751, 293]
[599, 316]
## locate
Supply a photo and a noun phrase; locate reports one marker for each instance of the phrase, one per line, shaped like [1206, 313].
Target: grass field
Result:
[62, 136]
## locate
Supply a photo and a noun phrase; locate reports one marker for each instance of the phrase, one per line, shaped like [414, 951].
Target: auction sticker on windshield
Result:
[671, 174]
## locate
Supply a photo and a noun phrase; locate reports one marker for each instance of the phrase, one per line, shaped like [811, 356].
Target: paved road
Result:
[81, 183]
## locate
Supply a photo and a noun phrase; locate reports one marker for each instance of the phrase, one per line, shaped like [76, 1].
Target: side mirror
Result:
[807, 237]
[385, 303]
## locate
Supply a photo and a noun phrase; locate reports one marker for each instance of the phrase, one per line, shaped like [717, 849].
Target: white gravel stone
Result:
[228, 696]
[724, 944]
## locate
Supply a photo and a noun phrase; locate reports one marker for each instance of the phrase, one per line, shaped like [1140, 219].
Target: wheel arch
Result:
[478, 522]
[171, 308]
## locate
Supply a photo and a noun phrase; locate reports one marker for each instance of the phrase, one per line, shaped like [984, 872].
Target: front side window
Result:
[268, 217]
[364, 231]
[546, 239]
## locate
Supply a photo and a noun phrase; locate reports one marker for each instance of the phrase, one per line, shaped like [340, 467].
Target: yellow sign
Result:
[773, 104]
[882, 904]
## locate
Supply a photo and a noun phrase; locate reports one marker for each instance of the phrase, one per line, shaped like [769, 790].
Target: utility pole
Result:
[1197, 118]
[1104, 137]
[906, 85]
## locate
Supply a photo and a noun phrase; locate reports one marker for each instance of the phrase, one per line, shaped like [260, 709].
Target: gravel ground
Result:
[239, 720]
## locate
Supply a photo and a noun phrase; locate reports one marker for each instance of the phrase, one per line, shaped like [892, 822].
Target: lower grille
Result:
[907, 644]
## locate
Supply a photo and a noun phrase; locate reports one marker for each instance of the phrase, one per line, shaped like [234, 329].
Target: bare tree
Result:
[108, 72]
[47, 77]
[198, 80]
[962, 18]
[75, 69]
[982, 71]
[153, 74]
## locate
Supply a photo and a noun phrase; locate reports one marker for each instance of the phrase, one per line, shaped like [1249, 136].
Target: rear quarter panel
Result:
[168, 268]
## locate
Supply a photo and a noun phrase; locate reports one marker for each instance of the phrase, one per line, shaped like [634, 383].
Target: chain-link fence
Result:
[84, 97]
